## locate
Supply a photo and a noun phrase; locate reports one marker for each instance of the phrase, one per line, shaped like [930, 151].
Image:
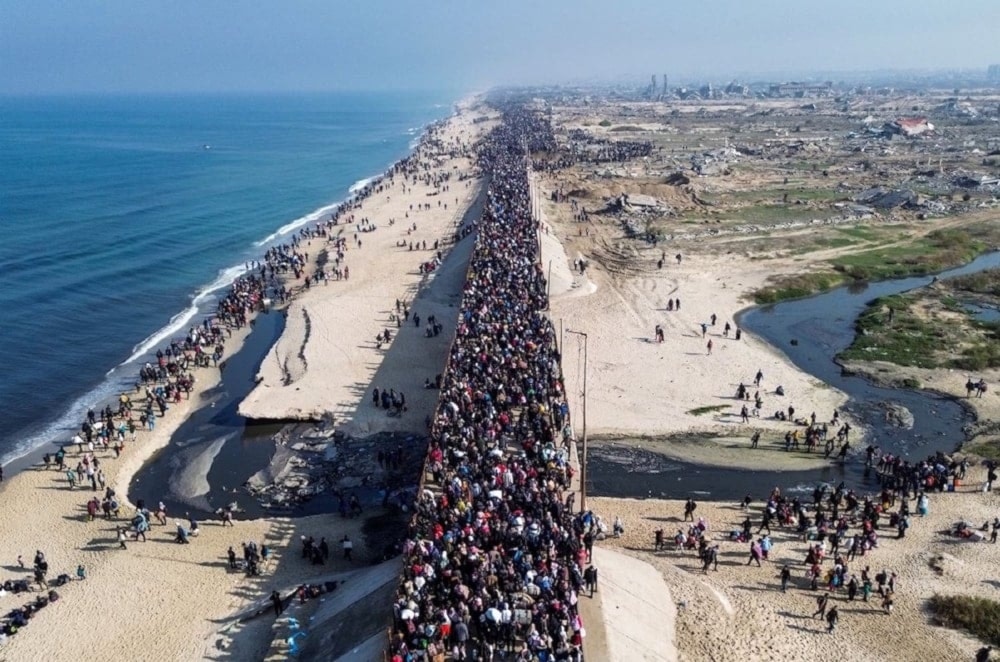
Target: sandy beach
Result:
[331, 329]
[175, 602]
[675, 398]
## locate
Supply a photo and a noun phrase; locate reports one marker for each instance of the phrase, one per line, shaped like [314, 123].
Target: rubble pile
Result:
[313, 460]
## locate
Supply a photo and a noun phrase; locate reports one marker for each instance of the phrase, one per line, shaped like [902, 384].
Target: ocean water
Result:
[124, 218]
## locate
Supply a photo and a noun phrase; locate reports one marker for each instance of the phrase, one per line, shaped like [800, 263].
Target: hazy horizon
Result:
[119, 47]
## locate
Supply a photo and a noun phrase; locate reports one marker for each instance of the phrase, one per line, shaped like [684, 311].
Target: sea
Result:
[124, 218]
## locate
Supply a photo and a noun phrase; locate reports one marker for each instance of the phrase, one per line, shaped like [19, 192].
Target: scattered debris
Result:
[313, 460]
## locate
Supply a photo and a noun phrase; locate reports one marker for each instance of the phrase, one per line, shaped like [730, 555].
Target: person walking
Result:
[887, 603]
[588, 544]
[709, 346]
[324, 549]
[590, 578]
[348, 547]
[786, 574]
[852, 588]
[689, 508]
[821, 604]
[831, 620]
[279, 606]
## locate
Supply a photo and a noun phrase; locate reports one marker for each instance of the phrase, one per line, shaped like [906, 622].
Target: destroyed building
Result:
[800, 90]
[908, 127]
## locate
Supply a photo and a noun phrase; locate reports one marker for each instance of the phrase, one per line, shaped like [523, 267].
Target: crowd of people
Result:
[493, 558]
[17, 618]
[583, 147]
[838, 526]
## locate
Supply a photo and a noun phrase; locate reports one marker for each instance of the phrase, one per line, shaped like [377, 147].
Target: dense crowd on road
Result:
[493, 558]
[583, 147]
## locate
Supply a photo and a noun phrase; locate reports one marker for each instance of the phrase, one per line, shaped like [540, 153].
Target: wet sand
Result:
[714, 450]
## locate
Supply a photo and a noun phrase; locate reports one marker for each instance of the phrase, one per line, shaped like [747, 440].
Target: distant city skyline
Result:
[49, 46]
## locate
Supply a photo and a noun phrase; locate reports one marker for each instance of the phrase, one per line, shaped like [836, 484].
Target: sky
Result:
[122, 46]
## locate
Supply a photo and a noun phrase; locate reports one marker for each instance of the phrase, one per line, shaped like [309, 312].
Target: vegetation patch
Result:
[780, 213]
[797, 287]
[862, 232]
[921, 330]
[707, 410]
[985, 447]
[939, 250]
[822, 243]
[890, 331]
[979, 616]
[986, 282]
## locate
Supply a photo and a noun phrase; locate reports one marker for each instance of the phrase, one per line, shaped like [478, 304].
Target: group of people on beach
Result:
[839, 526]
[167, 379]
[494, 557]
[17, 618]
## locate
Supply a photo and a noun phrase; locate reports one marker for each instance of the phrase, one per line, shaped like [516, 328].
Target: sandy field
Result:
[165, 601]
[638, 387]
[327, 360]
[739, 613]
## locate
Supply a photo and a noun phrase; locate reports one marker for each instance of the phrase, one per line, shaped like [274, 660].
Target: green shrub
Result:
[980, 616]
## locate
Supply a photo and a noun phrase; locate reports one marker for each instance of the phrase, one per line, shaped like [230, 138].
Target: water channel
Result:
[821, 326]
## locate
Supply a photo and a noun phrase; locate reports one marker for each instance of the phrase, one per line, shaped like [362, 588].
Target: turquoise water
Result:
[124, 217]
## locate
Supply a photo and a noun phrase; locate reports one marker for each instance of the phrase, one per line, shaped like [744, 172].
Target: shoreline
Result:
[208, 292]
[33, 456]
[985, 411]
[60, 528]
[292, 381]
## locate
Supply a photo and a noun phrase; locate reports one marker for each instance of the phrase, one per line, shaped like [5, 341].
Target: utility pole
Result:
[548, 286]
[583, 458]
